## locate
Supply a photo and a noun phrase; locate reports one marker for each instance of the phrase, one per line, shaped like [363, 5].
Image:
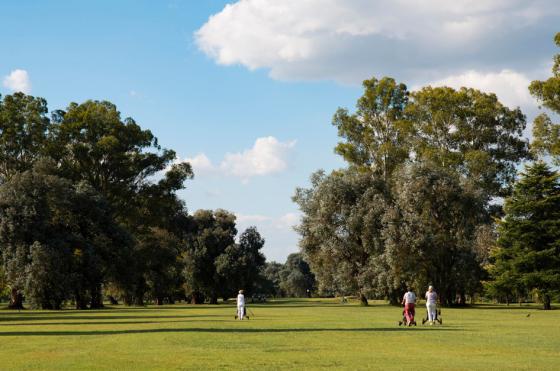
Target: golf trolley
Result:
[403, 321]
[437, 319]
[245, 313]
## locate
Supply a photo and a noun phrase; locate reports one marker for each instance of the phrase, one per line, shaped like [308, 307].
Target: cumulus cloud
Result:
[278, 231]
[18, 81]
[267, 156]
[201, 164]
[510, 86]
[288, 221]
[350, 40]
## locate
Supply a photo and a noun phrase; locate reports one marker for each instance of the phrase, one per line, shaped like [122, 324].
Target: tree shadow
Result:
[108, 322]
[526, 306]
[217, 330]
[56, 316]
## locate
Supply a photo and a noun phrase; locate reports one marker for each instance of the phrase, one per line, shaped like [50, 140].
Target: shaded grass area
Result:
[287, 334]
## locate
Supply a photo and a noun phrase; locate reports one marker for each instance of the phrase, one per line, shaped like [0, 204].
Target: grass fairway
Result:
[287, 334]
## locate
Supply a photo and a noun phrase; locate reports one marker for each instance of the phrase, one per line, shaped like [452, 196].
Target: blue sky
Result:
[247, 90]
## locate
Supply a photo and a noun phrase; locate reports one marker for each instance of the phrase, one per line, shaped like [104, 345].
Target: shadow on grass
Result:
[57, 316]
[510, 307]
[120, 308]
[215, 330]
[107, 322]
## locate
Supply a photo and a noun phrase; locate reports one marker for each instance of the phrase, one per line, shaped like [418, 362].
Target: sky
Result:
[245, 90]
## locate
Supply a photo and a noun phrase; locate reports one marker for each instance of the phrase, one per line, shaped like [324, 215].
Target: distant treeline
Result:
[89, 211]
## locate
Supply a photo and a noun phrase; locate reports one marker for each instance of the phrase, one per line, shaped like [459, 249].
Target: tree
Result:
[429, 235]
[546, 135]
[240, 264]
[527, 257]
[296, 277]
[24, 126]
[116, 157]
[158, 253]
[211, 233]
[271, 279]
[376, 136]
[341, 229]
[469, 132]
[58, 240]
[91, 143]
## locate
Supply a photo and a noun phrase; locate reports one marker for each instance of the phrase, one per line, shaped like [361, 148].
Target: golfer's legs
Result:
[240, 312]
[409, 312]
[431, 311]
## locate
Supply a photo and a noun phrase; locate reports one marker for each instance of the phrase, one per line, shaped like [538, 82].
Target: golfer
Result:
[409, 300]
[431, 300]
[240, 305]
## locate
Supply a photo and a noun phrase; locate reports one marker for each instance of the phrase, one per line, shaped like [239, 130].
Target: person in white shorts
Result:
[240, 305]
[431, 300]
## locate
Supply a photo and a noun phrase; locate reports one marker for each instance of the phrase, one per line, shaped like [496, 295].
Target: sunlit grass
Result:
[296, 334]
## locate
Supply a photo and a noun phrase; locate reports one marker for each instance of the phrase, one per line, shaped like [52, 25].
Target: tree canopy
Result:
[527, 257]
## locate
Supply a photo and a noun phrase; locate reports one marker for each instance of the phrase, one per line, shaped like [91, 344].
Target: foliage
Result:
[116, 157]
[297, 280]
[212, 232]
[527, 256]
[546, 134]
[23, 133]
[58, 239]
[469, 132]
[341, 228]
[376, 136]
[270, 283]
[241, 263]
[429, 235]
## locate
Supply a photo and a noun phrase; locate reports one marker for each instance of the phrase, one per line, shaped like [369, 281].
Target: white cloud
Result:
[250, 219]
[267, 156]
[201, 164]
[349, 40]
[281, 239]
[510, 86]
[288, 221]
[18, 81]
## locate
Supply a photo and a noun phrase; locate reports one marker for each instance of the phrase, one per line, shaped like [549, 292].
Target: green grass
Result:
[288, 334]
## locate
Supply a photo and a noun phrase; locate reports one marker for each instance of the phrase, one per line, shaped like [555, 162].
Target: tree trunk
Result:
[16, 300]
[128, 300]
[214, 299]
[96, 297]
[363, 300]
[139, 301]
[197, 297]
[139, 294]
[159, 301]
[80, 301]
[546, 302]
[112, 300]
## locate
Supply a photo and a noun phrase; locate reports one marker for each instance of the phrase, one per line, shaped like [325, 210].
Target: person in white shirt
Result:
[240, 305]
[409, 301]
[431, 300]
